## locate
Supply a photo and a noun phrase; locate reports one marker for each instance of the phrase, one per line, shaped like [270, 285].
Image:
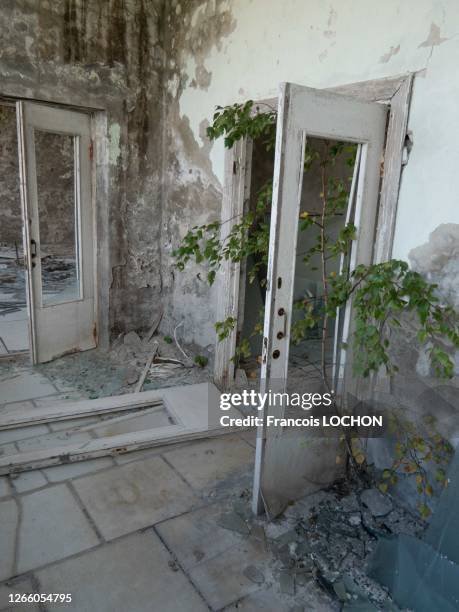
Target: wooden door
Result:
[58, 222]
[282, 462]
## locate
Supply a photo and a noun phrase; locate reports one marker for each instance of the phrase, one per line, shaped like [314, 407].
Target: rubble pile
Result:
[326, 540]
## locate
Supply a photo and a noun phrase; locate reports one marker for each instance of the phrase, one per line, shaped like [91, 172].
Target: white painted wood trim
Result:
[307, 112]
[66, 326]
[194, 410]
[395, 91]
[11, 417]
[395, 142]
[26, 220]
[234, 193]
[113, 446]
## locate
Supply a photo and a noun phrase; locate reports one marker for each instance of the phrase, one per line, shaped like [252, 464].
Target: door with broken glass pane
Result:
[58, 227]
[326, 184]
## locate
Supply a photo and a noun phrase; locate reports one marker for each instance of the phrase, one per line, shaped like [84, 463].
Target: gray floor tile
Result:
[133, 496]
[4, 487]
[19, 586]
[221, 579]
[207, 463]
[27, 481]
[132, 573]
[8, 524]
[53, 527]
[195, 537]
[24, 385]
[22, 433]
[79, 468]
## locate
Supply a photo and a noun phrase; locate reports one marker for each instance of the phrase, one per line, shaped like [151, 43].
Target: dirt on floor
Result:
[323, 543]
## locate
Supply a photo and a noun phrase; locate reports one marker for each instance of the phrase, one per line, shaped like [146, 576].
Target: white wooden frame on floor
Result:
[194, 409]
[395, 92]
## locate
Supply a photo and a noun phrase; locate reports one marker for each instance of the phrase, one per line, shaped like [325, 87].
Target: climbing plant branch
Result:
[381, 293]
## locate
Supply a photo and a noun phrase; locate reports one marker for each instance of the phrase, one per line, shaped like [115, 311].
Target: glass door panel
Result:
[58, 212]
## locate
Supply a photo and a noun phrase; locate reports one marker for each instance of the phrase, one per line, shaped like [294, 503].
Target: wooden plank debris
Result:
[11, 418]
[146, 369]
[110, 446]
[193, 412]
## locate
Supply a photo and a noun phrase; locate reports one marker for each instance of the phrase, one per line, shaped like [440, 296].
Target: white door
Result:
[281, 468]
[58, 227]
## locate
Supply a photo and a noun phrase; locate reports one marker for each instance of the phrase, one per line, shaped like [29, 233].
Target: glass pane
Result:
[58, 216]
[322, 252]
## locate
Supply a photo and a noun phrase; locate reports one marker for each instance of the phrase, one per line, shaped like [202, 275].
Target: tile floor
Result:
[137, 532]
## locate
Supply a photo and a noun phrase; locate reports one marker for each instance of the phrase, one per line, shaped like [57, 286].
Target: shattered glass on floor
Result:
[325, 541]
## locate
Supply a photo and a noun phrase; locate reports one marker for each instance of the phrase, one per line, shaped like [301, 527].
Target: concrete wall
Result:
[108, 56]
[158, 69]
[221, 51]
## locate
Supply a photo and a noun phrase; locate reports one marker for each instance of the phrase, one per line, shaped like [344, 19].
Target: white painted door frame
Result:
[396, 93]
[305, 112]
[66, 326]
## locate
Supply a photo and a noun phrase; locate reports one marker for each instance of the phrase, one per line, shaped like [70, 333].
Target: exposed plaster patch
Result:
[438, 261]
[434, 38]
[203, 77]
[29, 43]
[192, 191]
[114, 150]
[197, 156]
[387, 56]
[202, 27]
[174, 85]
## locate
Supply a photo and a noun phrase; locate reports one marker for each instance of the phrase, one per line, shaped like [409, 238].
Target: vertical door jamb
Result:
[236, 185]
[395, 91]
[26, 229]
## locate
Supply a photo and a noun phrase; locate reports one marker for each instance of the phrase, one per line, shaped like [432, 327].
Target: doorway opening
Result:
[326, 202]
[247, 165]
[47, 232]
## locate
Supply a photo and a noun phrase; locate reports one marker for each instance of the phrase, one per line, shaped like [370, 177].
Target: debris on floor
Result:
[97, 373]
[326, 541]
[166, 363]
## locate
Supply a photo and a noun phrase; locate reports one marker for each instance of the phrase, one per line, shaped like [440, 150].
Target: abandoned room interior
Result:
[222, 199]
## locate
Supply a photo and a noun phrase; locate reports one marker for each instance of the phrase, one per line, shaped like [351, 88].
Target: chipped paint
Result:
[387, 56]
[159, 69]
[434, 38]
[104, 55]
[226, 52]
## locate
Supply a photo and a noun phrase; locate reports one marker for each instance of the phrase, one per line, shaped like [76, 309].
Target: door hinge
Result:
[91, 150]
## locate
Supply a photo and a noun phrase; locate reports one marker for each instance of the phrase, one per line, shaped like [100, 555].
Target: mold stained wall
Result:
[225, 51]
[104, 55]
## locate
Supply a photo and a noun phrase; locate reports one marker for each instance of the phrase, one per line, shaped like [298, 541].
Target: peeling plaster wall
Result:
[225, 51]
[107, 56]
